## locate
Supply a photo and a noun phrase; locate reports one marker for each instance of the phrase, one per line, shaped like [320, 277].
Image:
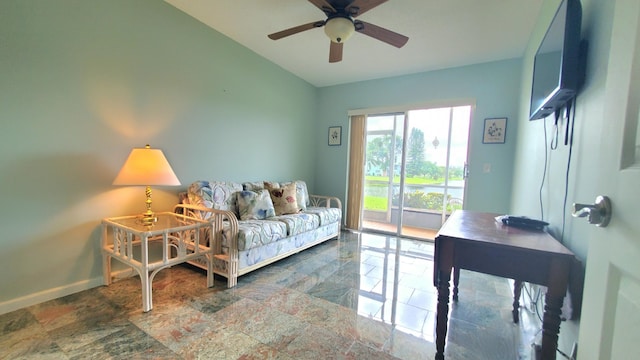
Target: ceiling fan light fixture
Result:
[339, 29]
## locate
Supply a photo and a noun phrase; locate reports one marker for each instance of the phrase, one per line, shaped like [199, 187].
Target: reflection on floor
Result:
[408, 231]
[363, 297]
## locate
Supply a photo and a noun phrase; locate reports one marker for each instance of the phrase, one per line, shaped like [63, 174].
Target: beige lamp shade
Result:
[146, 166]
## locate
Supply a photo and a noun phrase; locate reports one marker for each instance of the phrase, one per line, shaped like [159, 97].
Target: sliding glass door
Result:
[415, 169]
[383, 165]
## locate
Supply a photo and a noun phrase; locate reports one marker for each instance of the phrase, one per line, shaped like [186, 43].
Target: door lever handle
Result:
[598, 214]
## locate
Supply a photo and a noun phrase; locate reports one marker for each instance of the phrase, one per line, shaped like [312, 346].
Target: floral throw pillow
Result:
[271, 185]
[255, 205]
[302, 194]
[284, 199]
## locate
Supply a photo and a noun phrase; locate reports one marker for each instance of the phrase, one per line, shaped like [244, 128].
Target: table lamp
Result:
[147, 166]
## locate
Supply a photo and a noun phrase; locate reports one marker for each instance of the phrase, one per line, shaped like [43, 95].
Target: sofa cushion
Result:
[299, 223]
[255, 233]
[255, 205]
[303, 193]
[218, 195]
[326, 215]
[284, 199]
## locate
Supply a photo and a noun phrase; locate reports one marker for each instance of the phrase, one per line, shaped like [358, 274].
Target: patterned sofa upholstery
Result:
[258, 223]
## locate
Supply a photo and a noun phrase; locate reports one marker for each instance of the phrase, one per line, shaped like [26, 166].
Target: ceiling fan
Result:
[340, 25]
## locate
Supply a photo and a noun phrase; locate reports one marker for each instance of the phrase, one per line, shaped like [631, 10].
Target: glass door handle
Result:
[465, 171]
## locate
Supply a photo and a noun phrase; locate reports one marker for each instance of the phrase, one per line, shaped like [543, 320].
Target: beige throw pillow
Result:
[284, 199]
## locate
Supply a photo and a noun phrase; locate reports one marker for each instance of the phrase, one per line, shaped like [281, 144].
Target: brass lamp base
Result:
[148, 217]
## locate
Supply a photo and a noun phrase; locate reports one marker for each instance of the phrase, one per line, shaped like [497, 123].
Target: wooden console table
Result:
[476, 241]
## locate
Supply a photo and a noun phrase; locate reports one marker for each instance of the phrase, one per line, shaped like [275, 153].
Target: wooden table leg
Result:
[556, 291]
[442, 312]
[456, 281]
[551, 326]
[517, 290]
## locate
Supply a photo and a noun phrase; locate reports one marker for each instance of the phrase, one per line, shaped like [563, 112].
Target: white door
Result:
[610, 324]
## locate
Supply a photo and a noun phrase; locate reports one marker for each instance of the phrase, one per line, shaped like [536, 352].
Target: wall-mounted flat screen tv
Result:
[556, 67]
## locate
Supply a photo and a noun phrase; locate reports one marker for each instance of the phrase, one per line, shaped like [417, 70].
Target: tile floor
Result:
[363, 297]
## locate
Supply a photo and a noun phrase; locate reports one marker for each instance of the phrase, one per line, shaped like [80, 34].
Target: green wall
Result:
[83, 82]
[590, 126]
[490, 86]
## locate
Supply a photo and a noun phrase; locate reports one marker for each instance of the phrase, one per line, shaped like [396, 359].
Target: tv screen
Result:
[556, 68]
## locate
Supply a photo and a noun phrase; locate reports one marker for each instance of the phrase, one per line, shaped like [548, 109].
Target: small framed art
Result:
[335, 135]
[495, 130]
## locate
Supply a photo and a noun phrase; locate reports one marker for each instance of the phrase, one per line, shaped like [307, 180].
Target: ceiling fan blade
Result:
[382, 34]
[324, 5]
[359, 7]
[295, 30]
[335, 52]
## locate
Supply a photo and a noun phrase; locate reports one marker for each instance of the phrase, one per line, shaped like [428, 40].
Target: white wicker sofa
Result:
[258, 223]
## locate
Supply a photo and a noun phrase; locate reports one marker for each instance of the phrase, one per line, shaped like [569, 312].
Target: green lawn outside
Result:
[378, 203]
[375, 203]
[409, 180]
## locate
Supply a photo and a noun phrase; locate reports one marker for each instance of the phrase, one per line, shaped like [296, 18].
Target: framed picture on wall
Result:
[335, 135]
[495, 130]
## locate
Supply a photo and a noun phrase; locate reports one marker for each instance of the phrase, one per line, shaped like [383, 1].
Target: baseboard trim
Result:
[58, 292]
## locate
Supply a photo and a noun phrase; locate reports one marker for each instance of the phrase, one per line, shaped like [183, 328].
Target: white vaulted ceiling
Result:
[442, 34]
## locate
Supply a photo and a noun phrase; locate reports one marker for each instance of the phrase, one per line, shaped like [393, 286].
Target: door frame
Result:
[405, 109]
